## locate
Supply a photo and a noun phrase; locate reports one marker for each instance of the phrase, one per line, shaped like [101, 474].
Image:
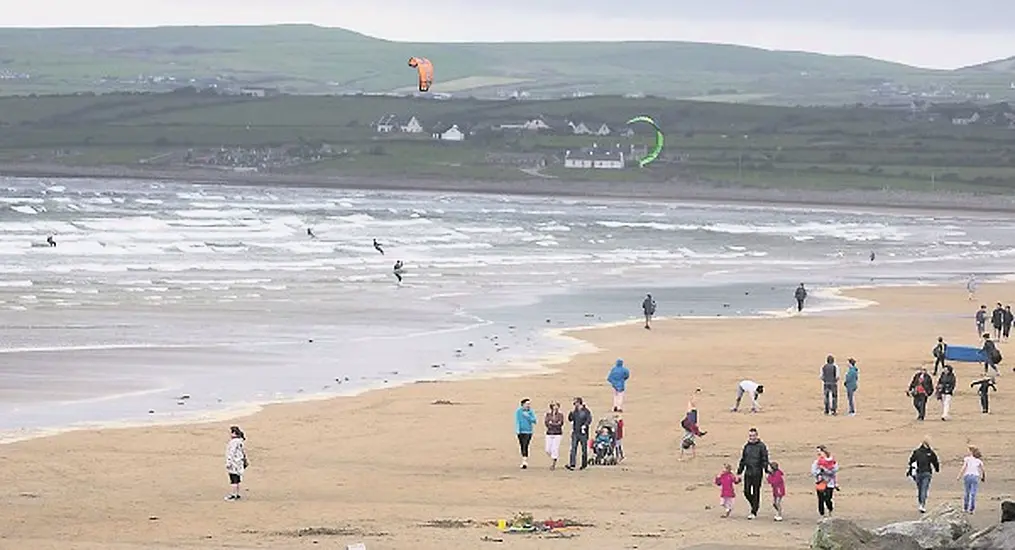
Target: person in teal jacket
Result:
[618, 379]
[525, 419]
[851, 383]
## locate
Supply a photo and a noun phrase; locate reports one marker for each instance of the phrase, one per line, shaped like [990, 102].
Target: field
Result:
[315, 60]
[814, 147]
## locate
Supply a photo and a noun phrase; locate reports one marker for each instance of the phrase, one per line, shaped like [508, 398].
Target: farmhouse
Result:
[448, 133]
[412, 127]
[596, 158]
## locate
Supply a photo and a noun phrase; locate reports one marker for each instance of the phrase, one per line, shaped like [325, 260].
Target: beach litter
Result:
[327, 532]
[443, 402]
[449, 523]
[523, 522]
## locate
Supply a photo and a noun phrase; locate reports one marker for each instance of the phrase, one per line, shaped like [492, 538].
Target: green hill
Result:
[306, 59]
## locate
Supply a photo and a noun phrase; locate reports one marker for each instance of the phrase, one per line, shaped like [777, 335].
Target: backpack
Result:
[996, 356]
[936, 352]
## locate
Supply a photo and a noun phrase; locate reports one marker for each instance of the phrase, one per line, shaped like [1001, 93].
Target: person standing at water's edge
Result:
[940, 350]
[971, 474]
[618, 379]
[554, 422]
[580, 419]
[800, 295]
[753, 466]
[648, 306]
[945, 390]
[920, 388]
[236, 460]
[525, 419]
[922, 465]
[749, 387]
[830, 380]
[851, 384]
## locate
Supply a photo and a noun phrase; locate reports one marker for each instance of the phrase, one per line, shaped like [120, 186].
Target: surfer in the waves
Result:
[50, 241]
[398, 270]
[377, 247]
[310, 233]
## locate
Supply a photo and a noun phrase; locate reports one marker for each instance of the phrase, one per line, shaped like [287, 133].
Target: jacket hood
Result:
[619, 363]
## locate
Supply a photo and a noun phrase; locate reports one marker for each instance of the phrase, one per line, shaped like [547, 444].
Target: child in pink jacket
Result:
[726, 480]
[778, 483]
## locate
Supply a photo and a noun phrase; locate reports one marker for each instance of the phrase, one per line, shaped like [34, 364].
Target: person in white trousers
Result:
[554, 423]
[945, 390]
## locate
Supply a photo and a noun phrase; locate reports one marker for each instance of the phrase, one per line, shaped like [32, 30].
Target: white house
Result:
[387, 124]
[533, 125]
[627, 132]
[412, 127]
[966, 121]
[451, 134]
[580, 129]
[603, 130]
[596, 158]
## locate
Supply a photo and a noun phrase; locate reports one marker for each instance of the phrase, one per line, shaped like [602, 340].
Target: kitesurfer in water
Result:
[50, 241]
[310, 233]
[872, 256]
[398, 270]
[377, 247]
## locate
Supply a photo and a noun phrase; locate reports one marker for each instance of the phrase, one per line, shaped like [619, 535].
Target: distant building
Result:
[595, 158]
[603, 130]
[966, 121]
[412, 127]
[260, 92]
[452, 133]
[580, 129]
[533, 125]
[387, 124]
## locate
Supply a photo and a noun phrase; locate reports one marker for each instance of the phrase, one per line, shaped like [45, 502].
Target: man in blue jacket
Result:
[618, 379]
[525, 419]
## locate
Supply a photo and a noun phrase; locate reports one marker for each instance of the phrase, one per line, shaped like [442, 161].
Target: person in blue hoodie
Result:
[525, 419]
[618, 379]
[851, 383]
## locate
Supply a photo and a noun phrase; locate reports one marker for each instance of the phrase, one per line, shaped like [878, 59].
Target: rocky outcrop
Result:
[937, 529]
[998, 537]
[841, 534]
[1007, 511]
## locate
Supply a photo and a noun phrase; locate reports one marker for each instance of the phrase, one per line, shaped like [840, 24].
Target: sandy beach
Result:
[378, 467]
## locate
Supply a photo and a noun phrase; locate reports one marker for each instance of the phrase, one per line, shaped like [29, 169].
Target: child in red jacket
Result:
[726, 480]
[778, 483]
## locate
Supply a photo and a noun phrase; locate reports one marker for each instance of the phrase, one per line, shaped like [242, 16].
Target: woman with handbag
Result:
[236, 460]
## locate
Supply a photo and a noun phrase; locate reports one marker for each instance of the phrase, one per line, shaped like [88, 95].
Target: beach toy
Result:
[502, 524]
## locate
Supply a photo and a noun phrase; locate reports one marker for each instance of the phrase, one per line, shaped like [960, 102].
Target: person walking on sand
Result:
[830, 380]
[580, 418]
[800, 295]
[554, 423]
[991, 355]
[983, 387]
[981, 320]
[753, 466]
[939, 353]
[648, 306]
[922, 465]
[525, 420]
[920, 388]
[997, 320]
[825, 470]
[971, 474]
[971, 289]
[236, 460]
[752, 388]
[778, 482]
[851, 383]
[1006, 322]
[618, 379]
[727, 481]
[945, 390]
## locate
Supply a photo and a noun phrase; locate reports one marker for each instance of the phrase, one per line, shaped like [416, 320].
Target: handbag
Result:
[821, 485]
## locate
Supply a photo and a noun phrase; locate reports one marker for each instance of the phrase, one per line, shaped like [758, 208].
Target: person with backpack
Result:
[920, 388]
[945, 390]
[939, 353]
[991, 355]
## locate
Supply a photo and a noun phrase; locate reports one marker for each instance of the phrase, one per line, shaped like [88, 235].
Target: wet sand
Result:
[377, 468]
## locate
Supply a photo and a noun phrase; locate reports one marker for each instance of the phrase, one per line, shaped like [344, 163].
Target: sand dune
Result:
[377, 468]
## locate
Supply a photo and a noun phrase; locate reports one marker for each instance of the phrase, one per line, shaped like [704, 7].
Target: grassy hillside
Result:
[760, 145]
[310, 59]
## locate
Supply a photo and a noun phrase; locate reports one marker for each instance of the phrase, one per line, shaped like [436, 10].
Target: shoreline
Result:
[542, 364]
[379, 467]
[671, 191]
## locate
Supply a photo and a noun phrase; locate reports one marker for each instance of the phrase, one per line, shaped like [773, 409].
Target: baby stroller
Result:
[604, 445]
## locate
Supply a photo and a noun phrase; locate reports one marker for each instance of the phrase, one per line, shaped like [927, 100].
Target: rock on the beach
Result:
[937, 529]
[1007, 511]
[842, 534]
[997, 537]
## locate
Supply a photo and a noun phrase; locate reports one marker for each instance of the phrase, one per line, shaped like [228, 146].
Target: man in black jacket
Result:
[923, 464]
[580, 419]
[940, 350]
[991, 355]
[753, 467]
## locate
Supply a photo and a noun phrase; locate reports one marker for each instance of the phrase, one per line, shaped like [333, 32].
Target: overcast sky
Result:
[929, 33]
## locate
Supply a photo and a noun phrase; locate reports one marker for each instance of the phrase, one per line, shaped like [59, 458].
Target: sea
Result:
[174, 302]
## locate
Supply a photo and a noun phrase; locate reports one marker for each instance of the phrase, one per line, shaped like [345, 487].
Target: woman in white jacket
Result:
[236, 460]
